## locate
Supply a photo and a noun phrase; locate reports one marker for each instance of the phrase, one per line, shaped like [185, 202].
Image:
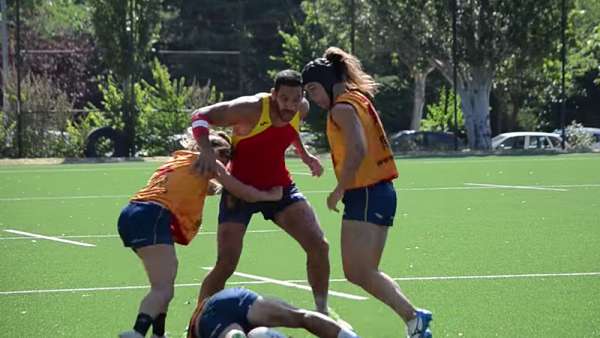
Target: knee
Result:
[164, 293]
[226, 264]
[319, 247]
[354, 275]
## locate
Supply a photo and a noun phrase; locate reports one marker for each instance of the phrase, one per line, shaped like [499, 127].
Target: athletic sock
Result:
[142, 323]
[158, 326]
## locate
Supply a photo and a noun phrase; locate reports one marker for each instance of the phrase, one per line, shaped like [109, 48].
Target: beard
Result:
[286, 114]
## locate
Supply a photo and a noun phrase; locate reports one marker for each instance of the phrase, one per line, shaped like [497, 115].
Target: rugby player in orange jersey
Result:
[364, 166]
[168, 210]
[264, 126]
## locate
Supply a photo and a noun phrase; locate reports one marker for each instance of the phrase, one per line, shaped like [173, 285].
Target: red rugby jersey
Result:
[259, 157]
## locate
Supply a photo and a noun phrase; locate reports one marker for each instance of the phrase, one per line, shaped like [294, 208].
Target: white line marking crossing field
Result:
[205, 233]
[470, 186]
[432, 278]
[523, 187]
[294, 285]
[56, 239]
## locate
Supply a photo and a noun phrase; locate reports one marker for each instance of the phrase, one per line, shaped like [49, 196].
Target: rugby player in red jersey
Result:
[264, 126]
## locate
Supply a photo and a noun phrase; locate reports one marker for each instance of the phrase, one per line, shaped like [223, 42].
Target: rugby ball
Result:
[265, 332]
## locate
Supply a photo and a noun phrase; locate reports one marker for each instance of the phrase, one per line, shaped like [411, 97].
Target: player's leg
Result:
[144, 227]
[300, 221]
[273, 313]
[230, 238]
[160, 262]
[362, 247]
[368, 214]
[234, 216]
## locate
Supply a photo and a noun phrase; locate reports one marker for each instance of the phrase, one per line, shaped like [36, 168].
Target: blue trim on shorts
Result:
[373, 204]
[224, 308]
[235, 210]
[144, 223]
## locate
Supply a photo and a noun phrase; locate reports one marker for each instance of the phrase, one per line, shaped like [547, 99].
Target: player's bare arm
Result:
[347, 119]
[243, 191]
[236, 113]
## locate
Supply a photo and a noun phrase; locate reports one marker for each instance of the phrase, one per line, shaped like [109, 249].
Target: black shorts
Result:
[224, 308]
[145, 223]
[235, 210]
[374, 204]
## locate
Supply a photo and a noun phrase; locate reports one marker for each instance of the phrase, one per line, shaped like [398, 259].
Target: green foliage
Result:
[60, 17]
[45, 109]
[163, 112]
[77, 132]
[577, 137]
[440, 119]
[327, 23]
[7, 135]
[162, 105]
[125, 31]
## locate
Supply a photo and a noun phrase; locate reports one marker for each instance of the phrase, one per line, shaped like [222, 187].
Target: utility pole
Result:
[563, 52]
[454, 66]
[5, 65]
[18, 108]
[353, 26]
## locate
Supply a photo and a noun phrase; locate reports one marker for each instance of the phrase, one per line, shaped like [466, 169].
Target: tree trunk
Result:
[474, 91]
[420, 79]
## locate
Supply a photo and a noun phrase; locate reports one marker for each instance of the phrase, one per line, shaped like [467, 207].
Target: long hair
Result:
[351, 71]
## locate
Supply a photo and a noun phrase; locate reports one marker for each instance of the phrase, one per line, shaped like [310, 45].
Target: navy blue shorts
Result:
[224, 308]
[374, 204]
[145, 223]
[235, 210]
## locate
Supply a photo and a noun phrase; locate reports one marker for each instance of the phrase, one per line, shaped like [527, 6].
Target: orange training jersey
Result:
[378, 163]
[180, 190]
[259, 157]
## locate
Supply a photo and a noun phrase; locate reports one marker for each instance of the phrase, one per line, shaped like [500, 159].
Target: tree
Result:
[125, 31]
[489, 32]
[246, 29]
[328, 23]
[400, 27]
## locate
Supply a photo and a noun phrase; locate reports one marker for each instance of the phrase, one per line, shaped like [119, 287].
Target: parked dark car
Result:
[411, 140]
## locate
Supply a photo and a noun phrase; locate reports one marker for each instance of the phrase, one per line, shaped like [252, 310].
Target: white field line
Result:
[56, 239]
[522, 187]
[72, 170]
[116, 236]
[432, 278]
[473, 186]
[50, 198]
[296, 165]
[300, 173]
[293, 285]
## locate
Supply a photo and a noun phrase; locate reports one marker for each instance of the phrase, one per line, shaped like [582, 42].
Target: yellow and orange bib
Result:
[378, 164]
[175, 186]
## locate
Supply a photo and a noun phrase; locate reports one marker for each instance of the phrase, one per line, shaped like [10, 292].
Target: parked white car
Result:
[526, 140]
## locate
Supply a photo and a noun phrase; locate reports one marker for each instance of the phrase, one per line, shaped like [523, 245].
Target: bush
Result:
[45, 110]
[578, 138]
[163, 107]
[437, 119]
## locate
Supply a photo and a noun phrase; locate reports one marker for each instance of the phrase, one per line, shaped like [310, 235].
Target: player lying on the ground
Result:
[168, 210]
[235, 312]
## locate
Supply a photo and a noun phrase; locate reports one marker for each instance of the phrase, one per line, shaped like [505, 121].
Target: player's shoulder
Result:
[249, 99]
[342, 108]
